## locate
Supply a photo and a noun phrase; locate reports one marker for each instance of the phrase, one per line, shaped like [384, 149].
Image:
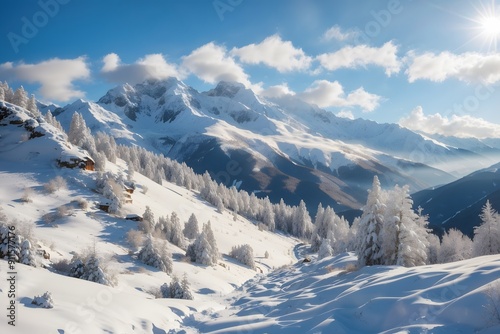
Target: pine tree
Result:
[370, 226]
[176, 236]
[148, 220]
[186, 289]
[487, 235]
[27, 253]
[155, 256]
[20, 97]
[94, 272]
[32, 107]
[302, 225]
[191, 228]
[268, 214]
[204, 249]
[325, 249]
[2, 94]
[317, 234]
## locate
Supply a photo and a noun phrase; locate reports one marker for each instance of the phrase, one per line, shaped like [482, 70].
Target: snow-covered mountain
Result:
[284, 148]
[284, 293]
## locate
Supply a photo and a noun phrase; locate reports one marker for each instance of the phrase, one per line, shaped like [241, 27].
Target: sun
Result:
[487, 24]
[491, 26]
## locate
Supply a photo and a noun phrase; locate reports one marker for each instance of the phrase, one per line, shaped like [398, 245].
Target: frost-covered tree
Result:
[302, 225]
[433, 250]
[455, 246]
[8, 92]
[20, 97]
[2, 94]
[204, 249]
[94, 271]
[176, 289]
[370, 225]
[325, 249]
[49, 118]
[268, 214]
[186, 288]
[79, 134]
[191, 228]
[319, 230]
[90, 268]
[155, 255]
[487, 235]
[148, 220]
[244, 254]
[27, 253]
[176, 237]
[404, 232]
[32, 107]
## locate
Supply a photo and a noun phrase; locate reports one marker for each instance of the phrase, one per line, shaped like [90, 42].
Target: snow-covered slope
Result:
[329, 296]
[61, 227]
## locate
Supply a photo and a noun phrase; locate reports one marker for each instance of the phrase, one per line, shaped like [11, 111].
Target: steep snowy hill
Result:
[458, 204]
[288, 150]
[67, 218]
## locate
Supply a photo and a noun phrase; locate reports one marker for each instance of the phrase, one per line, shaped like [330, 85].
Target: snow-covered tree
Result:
[2, 94]
[8, 92]
[94, 271]
[32, 107]
[268, 214]
[319, 230]
[148, 220]
[20, 97]
[176, 236]
[204, 249]
[155, 255]
[186, 288]
[370, 225]
[27, 253]
[176, 289]
[44, 300]
[325, 249]
[455, 246]
[404, 232]
[302, 225]
[433, 250]
[244, 254]
[191, 228]
[487, 235]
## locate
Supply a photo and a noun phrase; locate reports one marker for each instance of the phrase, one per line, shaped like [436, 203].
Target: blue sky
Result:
[429, 65]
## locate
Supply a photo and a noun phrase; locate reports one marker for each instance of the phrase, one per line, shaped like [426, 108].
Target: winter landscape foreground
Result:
[74, 263]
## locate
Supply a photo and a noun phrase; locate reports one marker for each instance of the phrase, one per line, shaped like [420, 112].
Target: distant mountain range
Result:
[281, 148]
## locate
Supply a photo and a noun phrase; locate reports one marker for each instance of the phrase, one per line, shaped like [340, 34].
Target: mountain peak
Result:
[227, 89]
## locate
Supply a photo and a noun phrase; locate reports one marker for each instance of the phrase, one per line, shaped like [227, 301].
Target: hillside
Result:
[459, 203]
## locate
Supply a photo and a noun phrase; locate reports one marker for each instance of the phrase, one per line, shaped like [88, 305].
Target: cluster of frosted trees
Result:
[20, 98]
[16, 242]
[391, 232]
[90, 267]
[177, 289]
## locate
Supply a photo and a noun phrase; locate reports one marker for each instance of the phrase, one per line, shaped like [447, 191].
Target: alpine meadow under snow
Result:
[108, 223]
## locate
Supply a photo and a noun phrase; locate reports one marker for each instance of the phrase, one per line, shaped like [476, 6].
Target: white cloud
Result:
[336, 33]
[362, 56]
[468, 67]
[345, 114]
[458, 126]
[277, 91]
[55, 76]
[211, 63]
[275, 53]
[153, 66]
[331, 94]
